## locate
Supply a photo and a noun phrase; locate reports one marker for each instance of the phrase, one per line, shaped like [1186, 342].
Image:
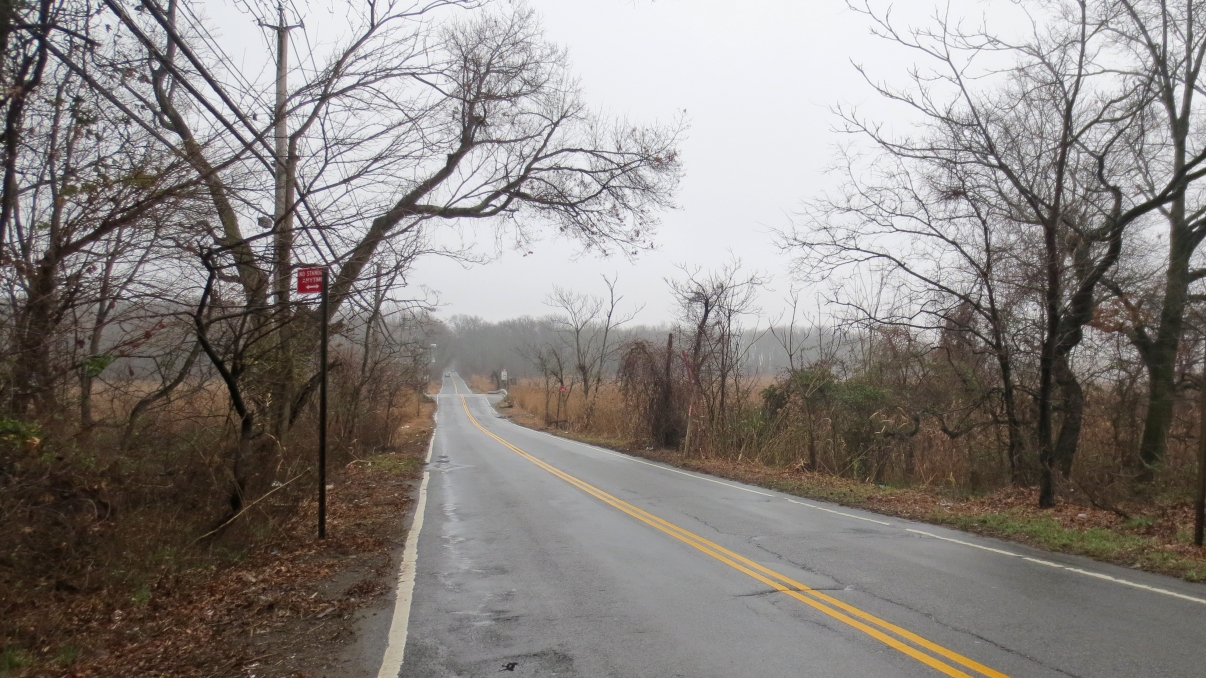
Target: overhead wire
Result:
[215, 48]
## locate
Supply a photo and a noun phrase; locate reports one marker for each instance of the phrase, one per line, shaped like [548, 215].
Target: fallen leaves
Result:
[283, 610]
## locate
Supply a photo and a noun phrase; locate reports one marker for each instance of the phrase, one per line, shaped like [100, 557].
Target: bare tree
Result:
[711, 306]
[1045, 146]
[559, 379]
[586, 325]
[94, 193]
[481, 116]
[948, 250]
[1162, 41]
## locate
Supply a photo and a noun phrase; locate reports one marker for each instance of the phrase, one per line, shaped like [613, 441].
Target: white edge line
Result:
[1077, 570]
[848, 515]
[391, 662]
[965, 543]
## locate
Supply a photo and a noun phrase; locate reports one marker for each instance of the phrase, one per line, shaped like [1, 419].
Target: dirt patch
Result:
[288, 608]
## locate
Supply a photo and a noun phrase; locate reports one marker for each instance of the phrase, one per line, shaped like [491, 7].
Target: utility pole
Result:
[284, 166]
[282, 218]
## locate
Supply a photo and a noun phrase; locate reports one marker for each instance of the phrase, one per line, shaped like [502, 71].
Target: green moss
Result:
[12, 659]
[1139, 522]
[395, 465]
[142, 597]
[67, 655]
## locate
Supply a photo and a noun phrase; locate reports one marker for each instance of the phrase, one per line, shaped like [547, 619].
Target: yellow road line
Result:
[816, 599]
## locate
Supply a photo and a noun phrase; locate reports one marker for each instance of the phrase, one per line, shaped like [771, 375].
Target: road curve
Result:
[545, 557]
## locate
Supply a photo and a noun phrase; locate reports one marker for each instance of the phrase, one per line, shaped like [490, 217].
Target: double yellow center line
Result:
[889, 634]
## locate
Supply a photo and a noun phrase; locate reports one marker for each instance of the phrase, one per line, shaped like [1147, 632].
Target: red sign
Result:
[309, 280]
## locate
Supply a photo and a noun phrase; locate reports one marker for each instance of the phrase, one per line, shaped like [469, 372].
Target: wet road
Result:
[544, 557]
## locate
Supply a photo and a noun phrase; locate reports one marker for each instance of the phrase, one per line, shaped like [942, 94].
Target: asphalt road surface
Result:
[545, 557]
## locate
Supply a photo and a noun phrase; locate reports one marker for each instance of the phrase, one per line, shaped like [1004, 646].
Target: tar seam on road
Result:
[391, 662]
[1077, 570]
[841, 611]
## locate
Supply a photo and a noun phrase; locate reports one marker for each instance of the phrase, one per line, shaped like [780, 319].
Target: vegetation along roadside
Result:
[290, 605]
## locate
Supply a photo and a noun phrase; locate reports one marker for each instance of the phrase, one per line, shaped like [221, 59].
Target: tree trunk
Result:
[32, 388]
[163, 392]
[1017, 442]
[661, 418]
[1161, 356]
[1072, 407]
[1046, 364]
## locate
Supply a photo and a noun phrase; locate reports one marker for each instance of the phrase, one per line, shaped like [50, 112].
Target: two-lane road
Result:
[541, 556]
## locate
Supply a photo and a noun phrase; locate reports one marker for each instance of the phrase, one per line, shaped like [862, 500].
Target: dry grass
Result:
[259, 611]
[96, 520]
[607, 416]
[479, 384]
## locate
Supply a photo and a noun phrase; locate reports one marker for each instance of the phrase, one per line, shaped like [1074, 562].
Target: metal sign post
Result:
[309, 281]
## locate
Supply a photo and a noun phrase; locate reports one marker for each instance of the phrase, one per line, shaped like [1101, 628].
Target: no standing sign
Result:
[309, 280]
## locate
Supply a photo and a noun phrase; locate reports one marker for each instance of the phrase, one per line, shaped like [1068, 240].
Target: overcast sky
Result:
[756, 78]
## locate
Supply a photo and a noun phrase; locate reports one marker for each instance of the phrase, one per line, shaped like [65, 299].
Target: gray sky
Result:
[756, 78]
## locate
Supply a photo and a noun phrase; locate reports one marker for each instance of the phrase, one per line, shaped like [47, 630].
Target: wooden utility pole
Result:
[284, 165]
[282, 218]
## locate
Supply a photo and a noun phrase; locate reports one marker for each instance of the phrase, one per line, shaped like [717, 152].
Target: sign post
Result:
[311, 280]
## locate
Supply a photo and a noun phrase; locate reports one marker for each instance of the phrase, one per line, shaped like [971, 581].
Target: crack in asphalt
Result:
[850, 587]
[841, 586]
[767, 592]
[706, 524]
[950, 627]
[802, 566]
